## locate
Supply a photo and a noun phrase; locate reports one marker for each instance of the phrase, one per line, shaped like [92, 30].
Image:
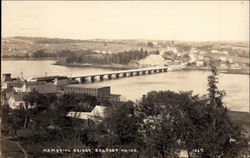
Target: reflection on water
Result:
[236, 86]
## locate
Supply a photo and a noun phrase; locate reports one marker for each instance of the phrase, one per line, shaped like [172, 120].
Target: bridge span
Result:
[118, 74]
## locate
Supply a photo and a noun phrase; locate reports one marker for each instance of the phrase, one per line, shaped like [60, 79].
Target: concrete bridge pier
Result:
[92, 78]
[124, 74]
[144, 72]
[117, 75]
[137, 73]
[149, 71]
[83, 79]
[110, 76]
[101, 77]
[131, 73]
[155, 71]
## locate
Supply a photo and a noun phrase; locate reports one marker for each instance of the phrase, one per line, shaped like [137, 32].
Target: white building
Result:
[199, 63]
[235, 66]
[224, 66]
[194, 50]
[16, 101]
[202, 52]
[230, 60]
[200, 57]
[96, 114]
[224, 59]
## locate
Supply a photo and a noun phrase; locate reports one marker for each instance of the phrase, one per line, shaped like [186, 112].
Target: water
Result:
[132, 88]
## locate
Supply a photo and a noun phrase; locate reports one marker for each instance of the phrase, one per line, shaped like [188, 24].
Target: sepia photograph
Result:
[125, 79]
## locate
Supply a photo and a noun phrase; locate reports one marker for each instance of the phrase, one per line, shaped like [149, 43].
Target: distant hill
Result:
[21, 45]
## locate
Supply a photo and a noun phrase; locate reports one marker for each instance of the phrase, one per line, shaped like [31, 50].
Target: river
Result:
[132, 88]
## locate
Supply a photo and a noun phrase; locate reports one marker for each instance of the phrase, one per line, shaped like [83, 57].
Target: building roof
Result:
[86, 86]
[79, 115]
[34, 83]
[60, 82]
[98, 111]
[43, 88]
[14, 84]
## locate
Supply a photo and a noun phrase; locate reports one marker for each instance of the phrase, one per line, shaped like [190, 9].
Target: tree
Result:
[39, 54]
[122, 125]
[150, 44]
[157, 110]
[199, 124]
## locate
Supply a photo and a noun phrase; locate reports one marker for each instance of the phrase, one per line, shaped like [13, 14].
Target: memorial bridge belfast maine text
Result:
[118, 74]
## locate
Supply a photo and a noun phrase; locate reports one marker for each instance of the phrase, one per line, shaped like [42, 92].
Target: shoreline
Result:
[45, 58]
[125, 67]
[114, 67]
[224, 71]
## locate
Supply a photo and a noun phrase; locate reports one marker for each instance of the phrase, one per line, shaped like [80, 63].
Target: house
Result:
[200, 57]
[7, 82]
[214, 51]
[224, 52]
[235, 66]
[194, 50]
[96, 115]
[230, 61]
[202, 52]
[15, 101]
[224, 66]
[224, 59]
[199, 63]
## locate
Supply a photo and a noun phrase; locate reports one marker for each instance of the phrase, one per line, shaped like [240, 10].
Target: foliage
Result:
[89, 57]
[41, 54]
[159, 125]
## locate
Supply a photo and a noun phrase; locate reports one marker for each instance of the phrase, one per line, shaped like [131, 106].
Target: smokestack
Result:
[6, 77]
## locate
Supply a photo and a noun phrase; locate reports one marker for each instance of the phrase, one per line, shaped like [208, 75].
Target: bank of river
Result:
[130, 66]
[226, 71]
[110, 66]
[235, 85]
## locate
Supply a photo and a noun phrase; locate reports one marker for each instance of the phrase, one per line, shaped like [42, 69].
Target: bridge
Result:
[118, 74]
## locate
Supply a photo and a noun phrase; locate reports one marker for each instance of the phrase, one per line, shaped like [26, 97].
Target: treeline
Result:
[36, 54]
[89, 56]
[159, 125]
[41, 54]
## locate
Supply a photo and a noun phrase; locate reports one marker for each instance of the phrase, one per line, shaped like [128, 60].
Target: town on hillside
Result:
[230, 57]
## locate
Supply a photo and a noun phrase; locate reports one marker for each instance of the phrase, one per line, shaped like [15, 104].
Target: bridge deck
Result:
[119, 72]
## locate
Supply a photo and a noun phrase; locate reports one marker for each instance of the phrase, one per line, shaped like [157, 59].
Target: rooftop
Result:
[86, 86]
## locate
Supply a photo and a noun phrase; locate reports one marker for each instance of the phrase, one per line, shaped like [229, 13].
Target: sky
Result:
[162, 20]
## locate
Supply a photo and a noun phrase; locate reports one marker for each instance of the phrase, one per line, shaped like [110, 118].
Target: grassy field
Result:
[21, 46]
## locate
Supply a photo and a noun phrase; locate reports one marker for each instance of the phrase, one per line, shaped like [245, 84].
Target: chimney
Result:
[143, 97]
[6, 77]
